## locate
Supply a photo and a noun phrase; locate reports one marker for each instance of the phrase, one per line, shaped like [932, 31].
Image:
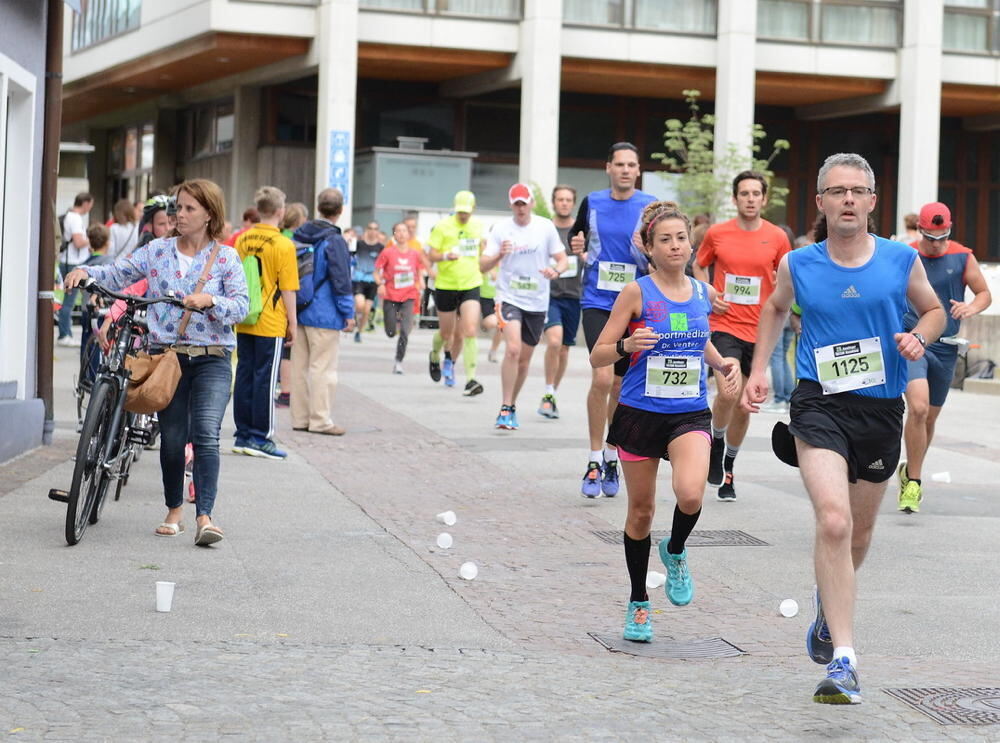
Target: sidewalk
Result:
[328, 612]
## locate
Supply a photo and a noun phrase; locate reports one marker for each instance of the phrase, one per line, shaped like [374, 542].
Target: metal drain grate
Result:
[669, 648]
[953, 706]
[720, 538]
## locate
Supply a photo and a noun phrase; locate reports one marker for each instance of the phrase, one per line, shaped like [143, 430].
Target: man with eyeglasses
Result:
[847, 411]
[745, 252]
[951, 267]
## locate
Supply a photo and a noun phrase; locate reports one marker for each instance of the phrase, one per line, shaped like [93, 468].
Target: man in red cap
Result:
[951, 267]
[524, 246]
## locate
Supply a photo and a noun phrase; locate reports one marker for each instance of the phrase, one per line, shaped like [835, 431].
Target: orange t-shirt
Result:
[745, 264]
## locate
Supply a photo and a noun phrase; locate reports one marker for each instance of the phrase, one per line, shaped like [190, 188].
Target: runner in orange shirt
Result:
[745, 252]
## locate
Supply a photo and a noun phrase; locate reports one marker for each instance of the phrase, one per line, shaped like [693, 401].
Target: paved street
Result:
[329, 612]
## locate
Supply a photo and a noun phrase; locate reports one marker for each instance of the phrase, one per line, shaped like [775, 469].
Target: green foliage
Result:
[541, 207]
[705, 183]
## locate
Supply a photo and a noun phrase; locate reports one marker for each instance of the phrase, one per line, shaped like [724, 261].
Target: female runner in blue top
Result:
[663, 409]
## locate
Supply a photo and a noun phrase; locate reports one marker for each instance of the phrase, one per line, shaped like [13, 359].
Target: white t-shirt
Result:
[519, 280]
[73, 224]
[124, 238]
[184, 262]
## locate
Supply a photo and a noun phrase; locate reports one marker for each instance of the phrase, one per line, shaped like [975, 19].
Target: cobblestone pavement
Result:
[330, 613]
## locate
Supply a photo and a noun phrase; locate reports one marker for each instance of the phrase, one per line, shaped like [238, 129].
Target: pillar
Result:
[920, 107]
[735, 78]
[244, 178]
[337, 52]
[540, 62]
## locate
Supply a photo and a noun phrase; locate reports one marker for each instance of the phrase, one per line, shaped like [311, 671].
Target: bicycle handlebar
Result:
[91, 285]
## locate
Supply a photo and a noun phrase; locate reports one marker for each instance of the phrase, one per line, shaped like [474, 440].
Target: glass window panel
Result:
[204, 128]
[971, 157]
[993, 237]
[225, 126]
[968, 3]
[116, 151]
[948, 158]
[968, 237]
[393, 4]
[491, 8]
[490, 182]
[493, 129]
[696, 16]
[783, 19]
[131, 148]
[148, 141]
[435, 121]
[586, 134]
[995, 164]
[965, 32]
[598, 12]
[851, 24]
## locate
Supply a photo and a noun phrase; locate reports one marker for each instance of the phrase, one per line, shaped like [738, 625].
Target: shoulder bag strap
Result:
[186, 317]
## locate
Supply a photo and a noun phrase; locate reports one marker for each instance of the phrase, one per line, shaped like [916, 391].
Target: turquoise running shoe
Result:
[680, 586]
[638, 627]
[514, 425]
[503, 420]
[841, 685]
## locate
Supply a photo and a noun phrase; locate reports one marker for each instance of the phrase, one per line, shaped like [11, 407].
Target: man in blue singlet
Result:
[951, 267]
[606, 233]
[847, 411]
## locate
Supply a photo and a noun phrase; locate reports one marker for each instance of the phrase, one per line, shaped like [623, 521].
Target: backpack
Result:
[63, 242]
[251, 268]
[309, 263]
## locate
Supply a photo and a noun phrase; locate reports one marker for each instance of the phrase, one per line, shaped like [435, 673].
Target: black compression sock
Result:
[914, 479]
[727, 463]
[682, 527]
[447, 355]
[637, 561]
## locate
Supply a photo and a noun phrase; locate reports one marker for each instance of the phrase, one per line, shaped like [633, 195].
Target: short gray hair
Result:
[847, 160]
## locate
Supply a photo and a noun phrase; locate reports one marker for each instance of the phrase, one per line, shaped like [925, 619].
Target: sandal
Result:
[174, 529]
[207, 534]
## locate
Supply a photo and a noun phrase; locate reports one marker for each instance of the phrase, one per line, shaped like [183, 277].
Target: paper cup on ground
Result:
[164, 595]
[788, 608]
[654, 579]
[444, 540]
[941, 477]
[448, 518]
[468, 570]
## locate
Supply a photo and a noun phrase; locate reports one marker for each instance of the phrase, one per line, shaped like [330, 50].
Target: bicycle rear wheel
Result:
[90, 480]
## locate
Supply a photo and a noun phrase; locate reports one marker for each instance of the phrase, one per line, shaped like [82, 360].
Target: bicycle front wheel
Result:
[89, 361]
[90, 479]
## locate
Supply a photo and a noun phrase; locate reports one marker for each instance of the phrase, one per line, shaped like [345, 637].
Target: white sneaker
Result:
[397, 368]
[68, 342]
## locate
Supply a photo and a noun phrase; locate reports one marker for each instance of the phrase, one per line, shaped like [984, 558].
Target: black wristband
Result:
[620, 347]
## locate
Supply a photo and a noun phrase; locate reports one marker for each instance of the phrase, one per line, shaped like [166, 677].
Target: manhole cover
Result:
[719, 538]
[953, 706]
[670, 648]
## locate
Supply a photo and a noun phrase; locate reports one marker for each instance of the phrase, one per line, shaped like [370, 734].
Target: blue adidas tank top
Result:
[675, 365]
[842, 305]
[610, 226]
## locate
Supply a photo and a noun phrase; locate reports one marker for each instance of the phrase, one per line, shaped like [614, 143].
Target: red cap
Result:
[934, 216]
[519, 192]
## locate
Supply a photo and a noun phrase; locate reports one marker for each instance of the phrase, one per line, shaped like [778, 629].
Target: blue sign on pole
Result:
[340, 162]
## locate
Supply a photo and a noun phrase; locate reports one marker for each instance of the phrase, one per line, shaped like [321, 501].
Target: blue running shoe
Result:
[591, 487]
[680, 586]
[819, 644]
[638, 628]
[240, 446]
[841, 685]
[448, 372]
[514, 425]
[503, 420]
[265, 449]
[609, 483]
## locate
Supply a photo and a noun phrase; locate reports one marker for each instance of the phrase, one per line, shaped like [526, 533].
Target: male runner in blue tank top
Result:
[606, 233]
[847, 411]
[950, 268]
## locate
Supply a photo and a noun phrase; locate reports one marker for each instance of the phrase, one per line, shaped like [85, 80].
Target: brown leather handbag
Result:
[153, 379]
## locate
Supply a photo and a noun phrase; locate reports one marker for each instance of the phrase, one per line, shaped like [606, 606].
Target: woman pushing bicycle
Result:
[177, 265]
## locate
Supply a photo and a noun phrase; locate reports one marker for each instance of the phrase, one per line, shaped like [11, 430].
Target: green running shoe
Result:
[910, 497]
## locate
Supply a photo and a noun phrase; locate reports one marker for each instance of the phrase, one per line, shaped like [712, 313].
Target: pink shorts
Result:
[627, 456]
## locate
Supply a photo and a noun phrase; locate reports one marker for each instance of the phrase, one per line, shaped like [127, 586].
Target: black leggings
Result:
[402, 313]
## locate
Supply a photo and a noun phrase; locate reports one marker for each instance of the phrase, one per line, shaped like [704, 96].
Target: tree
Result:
[541, 207]
[704, 182]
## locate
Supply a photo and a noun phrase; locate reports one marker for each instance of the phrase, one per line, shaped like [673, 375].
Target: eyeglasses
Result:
[936, 238]
[838, 192]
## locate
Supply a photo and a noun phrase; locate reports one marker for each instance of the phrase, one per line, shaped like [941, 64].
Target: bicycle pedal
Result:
[141, 436]
[60, 495]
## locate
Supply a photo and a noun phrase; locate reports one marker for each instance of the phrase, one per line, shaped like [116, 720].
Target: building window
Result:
[849, 22]
[209, 130]
[130, 162]
[972, 26]
[680, 16]
[594, 12]
[99, 20]
[479, 8]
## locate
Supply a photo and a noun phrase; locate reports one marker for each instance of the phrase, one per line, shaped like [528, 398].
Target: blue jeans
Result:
[257, 365]
[65, 316]
[782, 379]
[195, 415]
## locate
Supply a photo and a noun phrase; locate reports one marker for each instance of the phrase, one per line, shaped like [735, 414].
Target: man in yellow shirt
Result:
[259, 345]
[455, 244]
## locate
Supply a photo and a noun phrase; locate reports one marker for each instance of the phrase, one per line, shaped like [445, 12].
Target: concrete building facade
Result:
[250, 91]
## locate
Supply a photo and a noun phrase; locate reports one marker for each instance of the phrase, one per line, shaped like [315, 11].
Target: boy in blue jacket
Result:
[314, 355]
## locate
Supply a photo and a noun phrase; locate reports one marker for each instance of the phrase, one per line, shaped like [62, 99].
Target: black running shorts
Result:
[865, 431]
[732, 347]
[594, 320]
[449, 300]
[648, 434]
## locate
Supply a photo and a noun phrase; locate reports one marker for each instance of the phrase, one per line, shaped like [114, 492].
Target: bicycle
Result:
[111, 437]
